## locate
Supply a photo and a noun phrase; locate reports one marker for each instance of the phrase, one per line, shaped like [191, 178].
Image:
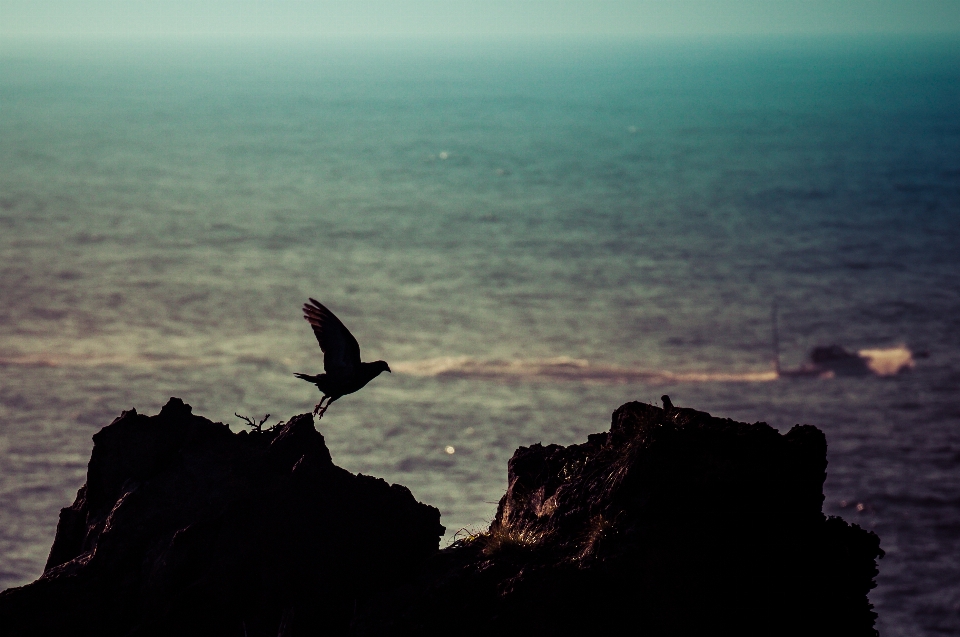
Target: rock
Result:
[185, 528]
[836, 359]
[672, 523]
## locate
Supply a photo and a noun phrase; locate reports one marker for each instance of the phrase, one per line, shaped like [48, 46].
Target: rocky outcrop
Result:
[185, 528]
[671, 523]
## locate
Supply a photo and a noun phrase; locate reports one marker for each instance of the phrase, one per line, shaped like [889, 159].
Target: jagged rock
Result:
[672, 523]
[836, 359]
[184, 528]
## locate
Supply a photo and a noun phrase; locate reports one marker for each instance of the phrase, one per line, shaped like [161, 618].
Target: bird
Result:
[344, 372]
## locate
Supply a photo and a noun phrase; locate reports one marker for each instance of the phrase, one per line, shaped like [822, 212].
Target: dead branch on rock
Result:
[257, 426]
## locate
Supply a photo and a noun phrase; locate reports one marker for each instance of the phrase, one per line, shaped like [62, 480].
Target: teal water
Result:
[531, 235]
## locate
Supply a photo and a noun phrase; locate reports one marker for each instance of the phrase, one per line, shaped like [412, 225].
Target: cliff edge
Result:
[185, 528]
[671, 523]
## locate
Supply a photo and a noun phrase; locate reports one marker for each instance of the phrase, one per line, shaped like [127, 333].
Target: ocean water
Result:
[530, 234]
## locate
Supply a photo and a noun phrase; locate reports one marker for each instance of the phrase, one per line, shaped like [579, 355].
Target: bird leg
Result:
[320, 407]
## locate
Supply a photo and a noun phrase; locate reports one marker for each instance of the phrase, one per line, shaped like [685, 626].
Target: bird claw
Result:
[319, 408]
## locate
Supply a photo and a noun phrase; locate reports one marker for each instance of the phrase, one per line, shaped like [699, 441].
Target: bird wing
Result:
[340, 348]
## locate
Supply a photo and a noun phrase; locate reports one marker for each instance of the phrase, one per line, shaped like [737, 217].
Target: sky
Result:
[419, 18]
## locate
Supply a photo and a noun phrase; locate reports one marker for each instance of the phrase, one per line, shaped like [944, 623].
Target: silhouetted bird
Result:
[667, 404]
[345, 373]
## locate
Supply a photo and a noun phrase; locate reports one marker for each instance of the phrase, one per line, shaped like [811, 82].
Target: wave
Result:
[881, 362]
[888, 361]
[562, 368]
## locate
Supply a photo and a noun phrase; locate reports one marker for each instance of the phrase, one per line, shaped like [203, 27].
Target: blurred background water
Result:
[471, 210]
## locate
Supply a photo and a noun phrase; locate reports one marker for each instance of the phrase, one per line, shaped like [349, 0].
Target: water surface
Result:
[165, 209]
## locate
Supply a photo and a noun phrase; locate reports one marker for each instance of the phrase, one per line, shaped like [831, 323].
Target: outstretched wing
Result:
[340, 348]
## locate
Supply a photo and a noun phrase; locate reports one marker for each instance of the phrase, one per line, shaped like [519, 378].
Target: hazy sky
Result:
[474, 17]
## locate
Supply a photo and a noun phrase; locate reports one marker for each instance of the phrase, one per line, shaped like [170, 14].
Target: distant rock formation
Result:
[672, 523]
[827, 361]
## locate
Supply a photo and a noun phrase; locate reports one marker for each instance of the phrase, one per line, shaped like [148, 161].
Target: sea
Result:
[530, 232]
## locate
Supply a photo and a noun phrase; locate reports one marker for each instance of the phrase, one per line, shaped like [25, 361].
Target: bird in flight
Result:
[345, 373]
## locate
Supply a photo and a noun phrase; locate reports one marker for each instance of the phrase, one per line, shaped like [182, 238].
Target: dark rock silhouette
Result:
[672, 523]
[184, 528]
[838, 360]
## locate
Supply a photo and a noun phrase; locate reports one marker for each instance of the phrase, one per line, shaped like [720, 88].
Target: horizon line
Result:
[6, 37]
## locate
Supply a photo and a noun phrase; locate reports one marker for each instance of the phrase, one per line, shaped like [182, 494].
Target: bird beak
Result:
[388, 369]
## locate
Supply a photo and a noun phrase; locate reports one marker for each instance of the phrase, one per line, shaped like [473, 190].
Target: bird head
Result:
[382, 366]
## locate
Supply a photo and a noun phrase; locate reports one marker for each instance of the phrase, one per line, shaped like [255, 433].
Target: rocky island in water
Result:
[673, 522]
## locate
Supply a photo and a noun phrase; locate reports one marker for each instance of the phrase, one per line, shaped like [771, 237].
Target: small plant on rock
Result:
[256, 426]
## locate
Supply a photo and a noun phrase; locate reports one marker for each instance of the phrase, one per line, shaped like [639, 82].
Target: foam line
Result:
[562, 368]
[888, 361]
